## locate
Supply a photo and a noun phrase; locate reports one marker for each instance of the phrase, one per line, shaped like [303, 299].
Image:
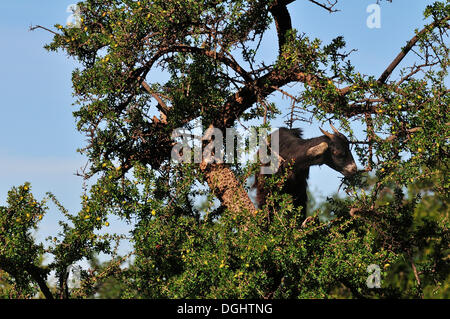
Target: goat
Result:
[330, 149]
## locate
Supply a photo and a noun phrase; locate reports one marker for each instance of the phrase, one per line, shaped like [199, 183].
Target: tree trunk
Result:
[229, 191]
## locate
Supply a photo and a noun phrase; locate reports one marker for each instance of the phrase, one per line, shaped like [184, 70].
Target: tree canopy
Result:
[148, 68]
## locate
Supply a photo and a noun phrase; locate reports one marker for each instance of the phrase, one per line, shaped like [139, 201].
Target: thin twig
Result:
[44, 28]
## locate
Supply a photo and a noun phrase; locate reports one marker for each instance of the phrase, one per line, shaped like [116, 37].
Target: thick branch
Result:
[162, 107]
[283, 21]
[223, 183]
[35, 272]
[328, 8]
[260, 89]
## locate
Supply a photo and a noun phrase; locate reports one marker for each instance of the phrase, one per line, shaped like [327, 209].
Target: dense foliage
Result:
[145, 70]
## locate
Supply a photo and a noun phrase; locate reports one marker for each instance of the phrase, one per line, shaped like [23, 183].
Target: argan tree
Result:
[148, 68]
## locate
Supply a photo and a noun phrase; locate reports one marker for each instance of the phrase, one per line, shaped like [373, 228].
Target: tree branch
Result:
[409, 131]
[328, 8]
[259, 89]
[411, 43]
[283, 21]
[412, 130]
[35, 272]
[162, 107]
[209, 53]
[32, 28]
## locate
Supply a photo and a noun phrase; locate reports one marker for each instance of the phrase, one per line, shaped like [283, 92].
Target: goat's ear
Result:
[327, 134]
[317, 150]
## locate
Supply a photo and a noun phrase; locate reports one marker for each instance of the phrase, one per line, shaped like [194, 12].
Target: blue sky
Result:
[38, 136]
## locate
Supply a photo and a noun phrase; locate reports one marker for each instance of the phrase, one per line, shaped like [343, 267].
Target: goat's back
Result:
[291, 144]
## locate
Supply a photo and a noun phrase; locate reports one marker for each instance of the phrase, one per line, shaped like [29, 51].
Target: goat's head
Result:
[338, 155]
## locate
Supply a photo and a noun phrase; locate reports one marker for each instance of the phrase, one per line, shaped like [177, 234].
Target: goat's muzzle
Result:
[350, 169]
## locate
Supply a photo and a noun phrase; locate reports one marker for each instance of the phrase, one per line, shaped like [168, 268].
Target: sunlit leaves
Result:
[187, 245]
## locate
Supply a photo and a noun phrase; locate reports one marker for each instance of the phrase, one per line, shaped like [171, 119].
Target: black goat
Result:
[330, 149]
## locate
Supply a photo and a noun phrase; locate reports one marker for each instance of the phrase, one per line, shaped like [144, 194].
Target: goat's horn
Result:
[334, 129]
[326, 133]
